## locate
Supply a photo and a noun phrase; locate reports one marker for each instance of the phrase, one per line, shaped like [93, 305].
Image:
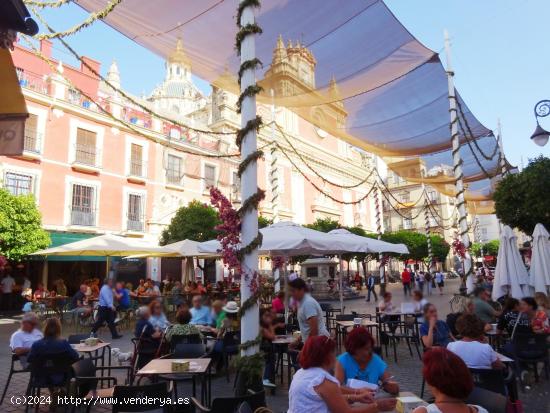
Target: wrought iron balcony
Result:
[83, 216]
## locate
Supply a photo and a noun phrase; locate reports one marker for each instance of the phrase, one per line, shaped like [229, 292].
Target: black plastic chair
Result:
[492, 402]
[54, 370]
[231, 341]
[489, 379]
[13, 370]
[159, 392]
[530, 350]
[184, 339]
[232, 404]
[85, 380]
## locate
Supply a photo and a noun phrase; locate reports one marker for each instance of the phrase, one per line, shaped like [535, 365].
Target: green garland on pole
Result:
[250, 366]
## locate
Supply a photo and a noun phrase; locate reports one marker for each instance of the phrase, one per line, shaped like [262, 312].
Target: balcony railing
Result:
[83, 216]
[135, 223]
[86, 155]
[32, 140]
[138, 168]
[173, 178]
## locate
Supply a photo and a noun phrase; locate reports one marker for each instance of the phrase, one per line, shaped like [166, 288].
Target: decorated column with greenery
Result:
[251, 361]
[464, 238]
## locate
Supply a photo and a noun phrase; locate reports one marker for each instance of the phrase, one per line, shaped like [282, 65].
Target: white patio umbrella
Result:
[184, 249]
[289, 239]
[540, 260]
[369, 244]
[511, 276]
[108, 245]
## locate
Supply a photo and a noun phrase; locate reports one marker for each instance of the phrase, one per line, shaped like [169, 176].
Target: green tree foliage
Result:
[264, 222]
[196, 221]
[324, 225]
[21, 230]
[440, 247]
[415, 242]
[522, 200]
[489, 248]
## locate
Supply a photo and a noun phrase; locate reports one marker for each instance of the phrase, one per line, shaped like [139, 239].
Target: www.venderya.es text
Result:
[97, 401]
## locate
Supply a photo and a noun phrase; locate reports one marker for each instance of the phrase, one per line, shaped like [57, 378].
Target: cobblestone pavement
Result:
[407, 371]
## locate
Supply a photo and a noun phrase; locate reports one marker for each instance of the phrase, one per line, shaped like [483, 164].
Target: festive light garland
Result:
[127, 125]
[119, 90]
[306, 163]
[44, 4]
[92, 18]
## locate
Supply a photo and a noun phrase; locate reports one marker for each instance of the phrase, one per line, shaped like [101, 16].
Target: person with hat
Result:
[22, 340]
[230, 324]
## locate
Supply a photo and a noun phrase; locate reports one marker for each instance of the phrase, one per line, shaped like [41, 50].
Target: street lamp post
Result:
[540, 136]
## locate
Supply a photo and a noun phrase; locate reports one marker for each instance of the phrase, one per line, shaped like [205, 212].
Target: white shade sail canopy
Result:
[540, 260]
[372, 245]
[511, 276]
[108, 245]
[290, 239]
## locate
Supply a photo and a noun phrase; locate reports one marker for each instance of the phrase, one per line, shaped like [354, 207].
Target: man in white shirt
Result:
[22, 340]
[7, 289]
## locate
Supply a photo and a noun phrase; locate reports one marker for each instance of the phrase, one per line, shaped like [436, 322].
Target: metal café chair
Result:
[13, 370]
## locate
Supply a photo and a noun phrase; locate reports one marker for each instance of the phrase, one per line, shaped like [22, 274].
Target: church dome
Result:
[178, 55]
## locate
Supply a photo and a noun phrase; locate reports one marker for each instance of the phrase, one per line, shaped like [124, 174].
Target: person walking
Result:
[106, 311]
[406, 280]
[371, 288]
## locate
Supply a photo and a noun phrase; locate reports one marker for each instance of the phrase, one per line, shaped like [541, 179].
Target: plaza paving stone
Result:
[407, 371]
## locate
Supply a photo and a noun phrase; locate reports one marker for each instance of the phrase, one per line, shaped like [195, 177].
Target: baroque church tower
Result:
[177, 95]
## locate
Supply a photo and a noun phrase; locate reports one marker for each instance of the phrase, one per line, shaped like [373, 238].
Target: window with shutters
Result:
[174, 170]
[83, 210]
[86, 150]
[407, 223]
[137, 166]
[32, 142]
[136, 217]
[18, 184]
[209, 176]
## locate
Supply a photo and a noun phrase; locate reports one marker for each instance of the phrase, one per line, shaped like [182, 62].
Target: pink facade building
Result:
[122, 170]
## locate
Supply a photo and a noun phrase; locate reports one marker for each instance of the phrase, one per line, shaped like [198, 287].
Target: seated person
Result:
[482, 308]
[508, 318]
[230, 324]
[449, 381]
[78, 302]
[141, 288]
[182, 326]
[540, 323]
[122, 296]
[466, 307]
[472, 348]
[176, 293]
[218, 315]
[200, 314]
[267, 331]
[158, 320]
[386, 305]
[314, 389]
[22, 340]
[40, 292]
[434, 332]
[50, 345]
[278, 303]
[144, 329]
[361, 363]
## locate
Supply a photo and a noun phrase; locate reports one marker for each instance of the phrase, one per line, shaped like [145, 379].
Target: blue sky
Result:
[500, 57]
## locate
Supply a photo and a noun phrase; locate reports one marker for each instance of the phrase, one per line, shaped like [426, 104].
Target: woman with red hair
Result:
[315, 390]
[449, 381]
[360, 363]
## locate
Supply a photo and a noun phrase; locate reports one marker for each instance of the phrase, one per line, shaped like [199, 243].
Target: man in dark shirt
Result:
[123, 297]
[78, 302]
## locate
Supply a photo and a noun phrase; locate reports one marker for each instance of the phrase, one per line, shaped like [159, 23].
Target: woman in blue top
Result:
[359, 362]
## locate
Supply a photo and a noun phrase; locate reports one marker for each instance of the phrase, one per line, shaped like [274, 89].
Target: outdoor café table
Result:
[281, 347]
[199, 367]
[54, 303]
[93, 351]
[365, 322]
[504, 359]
